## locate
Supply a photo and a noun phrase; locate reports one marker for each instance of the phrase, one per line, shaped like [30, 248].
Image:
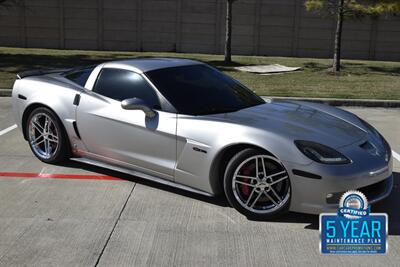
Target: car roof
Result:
[148, 64]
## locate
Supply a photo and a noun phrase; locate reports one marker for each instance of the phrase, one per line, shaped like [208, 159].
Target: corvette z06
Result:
[183, 123]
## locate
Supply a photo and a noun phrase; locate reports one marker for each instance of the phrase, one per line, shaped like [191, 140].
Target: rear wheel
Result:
[257, 184]
[46, 136]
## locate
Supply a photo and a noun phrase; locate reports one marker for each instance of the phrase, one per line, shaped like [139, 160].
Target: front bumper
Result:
[374, 192]
[322, 195]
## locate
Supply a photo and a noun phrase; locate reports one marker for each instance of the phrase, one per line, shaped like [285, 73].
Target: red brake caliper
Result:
[246, 170]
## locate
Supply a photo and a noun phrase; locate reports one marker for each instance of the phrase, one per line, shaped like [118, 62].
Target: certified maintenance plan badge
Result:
[353, 230]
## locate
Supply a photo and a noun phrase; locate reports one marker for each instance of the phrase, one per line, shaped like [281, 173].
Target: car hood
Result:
[298, 121]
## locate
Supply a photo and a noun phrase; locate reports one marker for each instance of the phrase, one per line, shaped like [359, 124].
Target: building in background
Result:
[261, 27]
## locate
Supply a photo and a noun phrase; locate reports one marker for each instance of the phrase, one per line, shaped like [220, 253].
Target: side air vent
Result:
[22, 97]
[306, 174]
[76, 129]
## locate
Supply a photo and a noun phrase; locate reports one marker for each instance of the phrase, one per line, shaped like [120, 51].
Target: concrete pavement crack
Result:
[114, 227]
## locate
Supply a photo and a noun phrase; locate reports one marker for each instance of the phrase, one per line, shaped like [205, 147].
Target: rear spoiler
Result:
[38, 72]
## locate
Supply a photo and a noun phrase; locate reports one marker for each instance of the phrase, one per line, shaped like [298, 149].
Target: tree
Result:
[228, 31]
[350, 9]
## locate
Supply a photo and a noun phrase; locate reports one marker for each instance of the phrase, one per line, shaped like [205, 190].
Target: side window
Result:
[123, 84]
[80, 76]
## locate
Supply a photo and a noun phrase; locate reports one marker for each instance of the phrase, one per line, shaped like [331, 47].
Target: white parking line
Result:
[8, 129]
[396, 155]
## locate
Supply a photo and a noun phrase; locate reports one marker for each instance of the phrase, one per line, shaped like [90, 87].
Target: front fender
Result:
[201, 142]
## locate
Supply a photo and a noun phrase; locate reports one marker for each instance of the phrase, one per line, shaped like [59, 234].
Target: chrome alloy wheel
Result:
[261, 184]
[43, 135]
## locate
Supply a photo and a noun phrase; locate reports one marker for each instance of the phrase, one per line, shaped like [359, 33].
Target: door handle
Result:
[77, 99]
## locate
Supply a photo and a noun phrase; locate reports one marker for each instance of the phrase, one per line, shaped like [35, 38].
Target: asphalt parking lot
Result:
[77, 215]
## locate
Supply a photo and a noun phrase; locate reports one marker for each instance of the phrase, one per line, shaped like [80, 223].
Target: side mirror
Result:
[138, 104]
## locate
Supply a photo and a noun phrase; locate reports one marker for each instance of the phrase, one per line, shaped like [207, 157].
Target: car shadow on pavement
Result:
[389, 205]
[311, 220]
[218, 200]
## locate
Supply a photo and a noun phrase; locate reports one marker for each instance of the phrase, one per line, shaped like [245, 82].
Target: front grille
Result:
[370, 191]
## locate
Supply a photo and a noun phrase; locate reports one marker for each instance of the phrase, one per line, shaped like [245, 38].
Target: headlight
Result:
[321, 153]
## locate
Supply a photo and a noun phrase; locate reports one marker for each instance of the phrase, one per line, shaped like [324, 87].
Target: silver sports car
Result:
[183, 123]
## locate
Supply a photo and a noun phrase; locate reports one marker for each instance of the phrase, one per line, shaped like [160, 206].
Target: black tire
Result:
[230, 170]
[62, 151]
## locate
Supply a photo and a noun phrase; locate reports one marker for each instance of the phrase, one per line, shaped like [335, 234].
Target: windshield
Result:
[200, 90]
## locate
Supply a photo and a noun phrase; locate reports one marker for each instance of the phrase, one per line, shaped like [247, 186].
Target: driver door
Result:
[127, 137]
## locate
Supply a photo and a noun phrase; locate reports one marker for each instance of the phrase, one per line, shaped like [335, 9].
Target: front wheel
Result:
[257, 185]
[46, 136]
